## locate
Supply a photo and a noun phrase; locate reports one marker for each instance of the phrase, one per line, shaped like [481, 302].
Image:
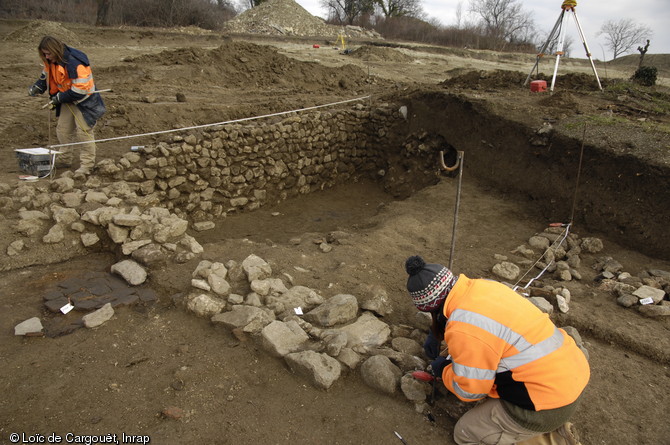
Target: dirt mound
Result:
[239, 64]
[286, 17]
[379, 54]
[559, 99]
[477, 80]
[577, 81]
[35, 30]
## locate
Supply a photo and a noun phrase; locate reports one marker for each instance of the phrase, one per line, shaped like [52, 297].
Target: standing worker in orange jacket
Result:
[502, 348]
[68, 78]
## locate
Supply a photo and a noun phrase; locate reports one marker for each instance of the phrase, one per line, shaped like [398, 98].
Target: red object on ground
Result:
[315, 46]
[423, 375]
[538, 86]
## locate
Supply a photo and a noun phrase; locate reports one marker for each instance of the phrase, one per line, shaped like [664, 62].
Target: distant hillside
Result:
[630, 62]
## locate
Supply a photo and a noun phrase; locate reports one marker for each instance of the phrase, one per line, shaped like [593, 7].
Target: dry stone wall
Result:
[206, 174]
[142, 205]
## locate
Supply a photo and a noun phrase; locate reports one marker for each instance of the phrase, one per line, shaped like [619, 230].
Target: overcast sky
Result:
[654, 14]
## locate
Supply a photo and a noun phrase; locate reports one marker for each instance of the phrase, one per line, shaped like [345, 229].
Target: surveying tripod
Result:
[569, 6]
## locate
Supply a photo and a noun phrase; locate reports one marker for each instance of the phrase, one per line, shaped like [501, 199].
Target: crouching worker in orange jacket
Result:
[503, 349]
[68, 79]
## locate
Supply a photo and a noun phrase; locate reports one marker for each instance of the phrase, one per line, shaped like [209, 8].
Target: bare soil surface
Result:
[218, 388]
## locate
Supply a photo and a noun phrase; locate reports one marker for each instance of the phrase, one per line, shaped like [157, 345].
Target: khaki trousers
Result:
[72, 127]
[489, 424]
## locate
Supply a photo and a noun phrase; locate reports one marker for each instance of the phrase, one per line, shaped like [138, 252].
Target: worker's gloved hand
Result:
[437, 366]
[34, 90]
[53, 102]
[431, 346]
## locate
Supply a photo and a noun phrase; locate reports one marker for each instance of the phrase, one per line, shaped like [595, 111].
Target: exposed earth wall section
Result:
[616, 195]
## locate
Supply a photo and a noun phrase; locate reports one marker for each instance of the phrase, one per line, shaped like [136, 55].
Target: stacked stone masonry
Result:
[206, 174]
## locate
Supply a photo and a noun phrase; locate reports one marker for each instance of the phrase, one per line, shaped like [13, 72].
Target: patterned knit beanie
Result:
[428, 284]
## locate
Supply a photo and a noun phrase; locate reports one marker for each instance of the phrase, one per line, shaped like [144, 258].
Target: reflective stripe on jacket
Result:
[502, 346]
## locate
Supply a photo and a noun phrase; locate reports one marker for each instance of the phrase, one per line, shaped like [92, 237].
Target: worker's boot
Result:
[87, 160]
[64, 159]
[566, 434]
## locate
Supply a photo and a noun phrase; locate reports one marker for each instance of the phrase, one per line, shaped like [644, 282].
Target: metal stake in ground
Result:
[579, 173]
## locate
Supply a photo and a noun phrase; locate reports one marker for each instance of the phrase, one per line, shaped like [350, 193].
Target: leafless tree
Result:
[400, 8]
[101, 18]
[347, 11]
[623, 34]
[459, 14]
[643, 50]
[503, 21]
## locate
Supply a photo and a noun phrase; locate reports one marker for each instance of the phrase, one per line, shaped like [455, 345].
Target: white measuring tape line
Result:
[153, 133]
[565, 235]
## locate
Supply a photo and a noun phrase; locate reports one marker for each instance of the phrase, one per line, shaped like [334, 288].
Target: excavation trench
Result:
[397, 145]
[393, 148]
[291, 181]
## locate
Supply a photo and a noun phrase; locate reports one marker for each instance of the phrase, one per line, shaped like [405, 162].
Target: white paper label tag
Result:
[298, 310]
[67, 308]
[647, 300]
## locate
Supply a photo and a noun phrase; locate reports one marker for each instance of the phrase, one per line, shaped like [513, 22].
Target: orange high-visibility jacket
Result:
[73, 80]
[502, 346]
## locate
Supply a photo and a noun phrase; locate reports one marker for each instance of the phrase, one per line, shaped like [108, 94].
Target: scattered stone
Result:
[339, 309]
[29, 327]
[542, 304]
[375, 299]
[130, 271]
[281, 338]
[591, 245]
[320, 369]
[539, 242]
[201, 284]
[412, 388]
[380, 373]
[256, 268]
[367, 331]
[55, 235]
[15, 247]
[218, 284]
[349, 358]
[295, 297]
[506, 270]
[204, 305]
[248, 318]
[203, 225]
[89, 239]
[654, 310]
[98, 317]
[660, 273]
[627, 300]
[656, 295]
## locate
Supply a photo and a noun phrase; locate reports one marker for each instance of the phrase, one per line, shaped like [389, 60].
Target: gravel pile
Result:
[35, 30]
[286, 17]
